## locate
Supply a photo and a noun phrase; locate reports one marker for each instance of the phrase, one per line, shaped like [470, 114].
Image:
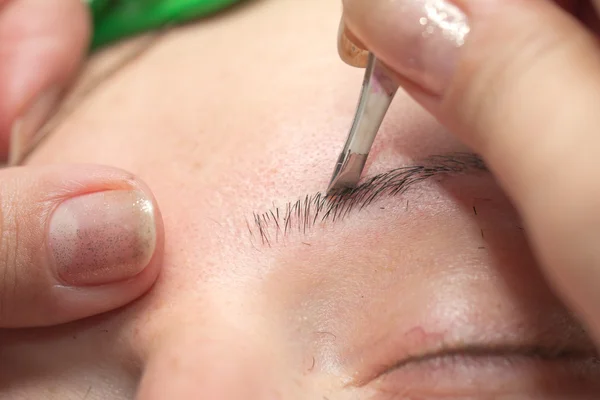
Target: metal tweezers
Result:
[378, 91]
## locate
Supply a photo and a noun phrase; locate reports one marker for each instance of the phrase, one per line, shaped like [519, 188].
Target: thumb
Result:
[74, 242]
[41, 46]
[518, 81]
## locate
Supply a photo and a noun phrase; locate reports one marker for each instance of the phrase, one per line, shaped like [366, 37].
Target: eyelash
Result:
[305, 213]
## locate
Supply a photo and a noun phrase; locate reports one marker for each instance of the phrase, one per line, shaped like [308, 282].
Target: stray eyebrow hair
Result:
[304, 213]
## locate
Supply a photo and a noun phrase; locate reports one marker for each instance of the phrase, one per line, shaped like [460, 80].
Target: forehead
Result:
[239, 107]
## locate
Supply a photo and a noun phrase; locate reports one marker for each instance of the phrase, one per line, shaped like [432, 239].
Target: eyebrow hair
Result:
[304, 213]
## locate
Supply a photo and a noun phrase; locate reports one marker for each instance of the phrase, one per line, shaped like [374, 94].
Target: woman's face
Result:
[421, 286]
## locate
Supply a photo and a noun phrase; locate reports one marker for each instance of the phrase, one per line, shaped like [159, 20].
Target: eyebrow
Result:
[303, 214]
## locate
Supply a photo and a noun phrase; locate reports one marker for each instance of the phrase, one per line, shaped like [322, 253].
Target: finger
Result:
[41, 45]
[569, 5]
[588, 14]
[74, 241]
[519, 81]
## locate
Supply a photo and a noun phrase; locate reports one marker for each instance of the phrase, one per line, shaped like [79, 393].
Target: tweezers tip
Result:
[331, 190]
[333, 186]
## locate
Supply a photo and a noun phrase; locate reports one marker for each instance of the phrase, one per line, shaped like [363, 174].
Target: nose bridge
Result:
[196, 366]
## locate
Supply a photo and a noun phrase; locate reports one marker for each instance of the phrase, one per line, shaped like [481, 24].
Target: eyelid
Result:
[492, 376]
[534, 351]
[556, 336]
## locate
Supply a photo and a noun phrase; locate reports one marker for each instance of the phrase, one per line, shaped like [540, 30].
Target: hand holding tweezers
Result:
[378, 91]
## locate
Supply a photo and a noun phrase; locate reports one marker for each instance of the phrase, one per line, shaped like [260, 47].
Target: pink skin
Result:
[39, 51]
[316, 315]
[35, 290]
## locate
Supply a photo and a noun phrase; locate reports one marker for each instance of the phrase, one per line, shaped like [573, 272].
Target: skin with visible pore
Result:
[424, 288]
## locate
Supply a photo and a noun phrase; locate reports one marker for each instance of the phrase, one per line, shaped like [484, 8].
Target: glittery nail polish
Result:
[419, 39]
[102, 237]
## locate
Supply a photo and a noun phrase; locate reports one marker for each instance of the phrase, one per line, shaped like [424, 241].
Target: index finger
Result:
[41, 46]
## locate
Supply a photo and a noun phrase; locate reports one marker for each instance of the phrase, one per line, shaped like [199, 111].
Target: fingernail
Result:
[351, 51]
[24, 129]
[102, 237]
[420, 39]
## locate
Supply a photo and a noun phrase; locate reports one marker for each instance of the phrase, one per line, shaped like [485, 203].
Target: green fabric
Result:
[118, 19]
